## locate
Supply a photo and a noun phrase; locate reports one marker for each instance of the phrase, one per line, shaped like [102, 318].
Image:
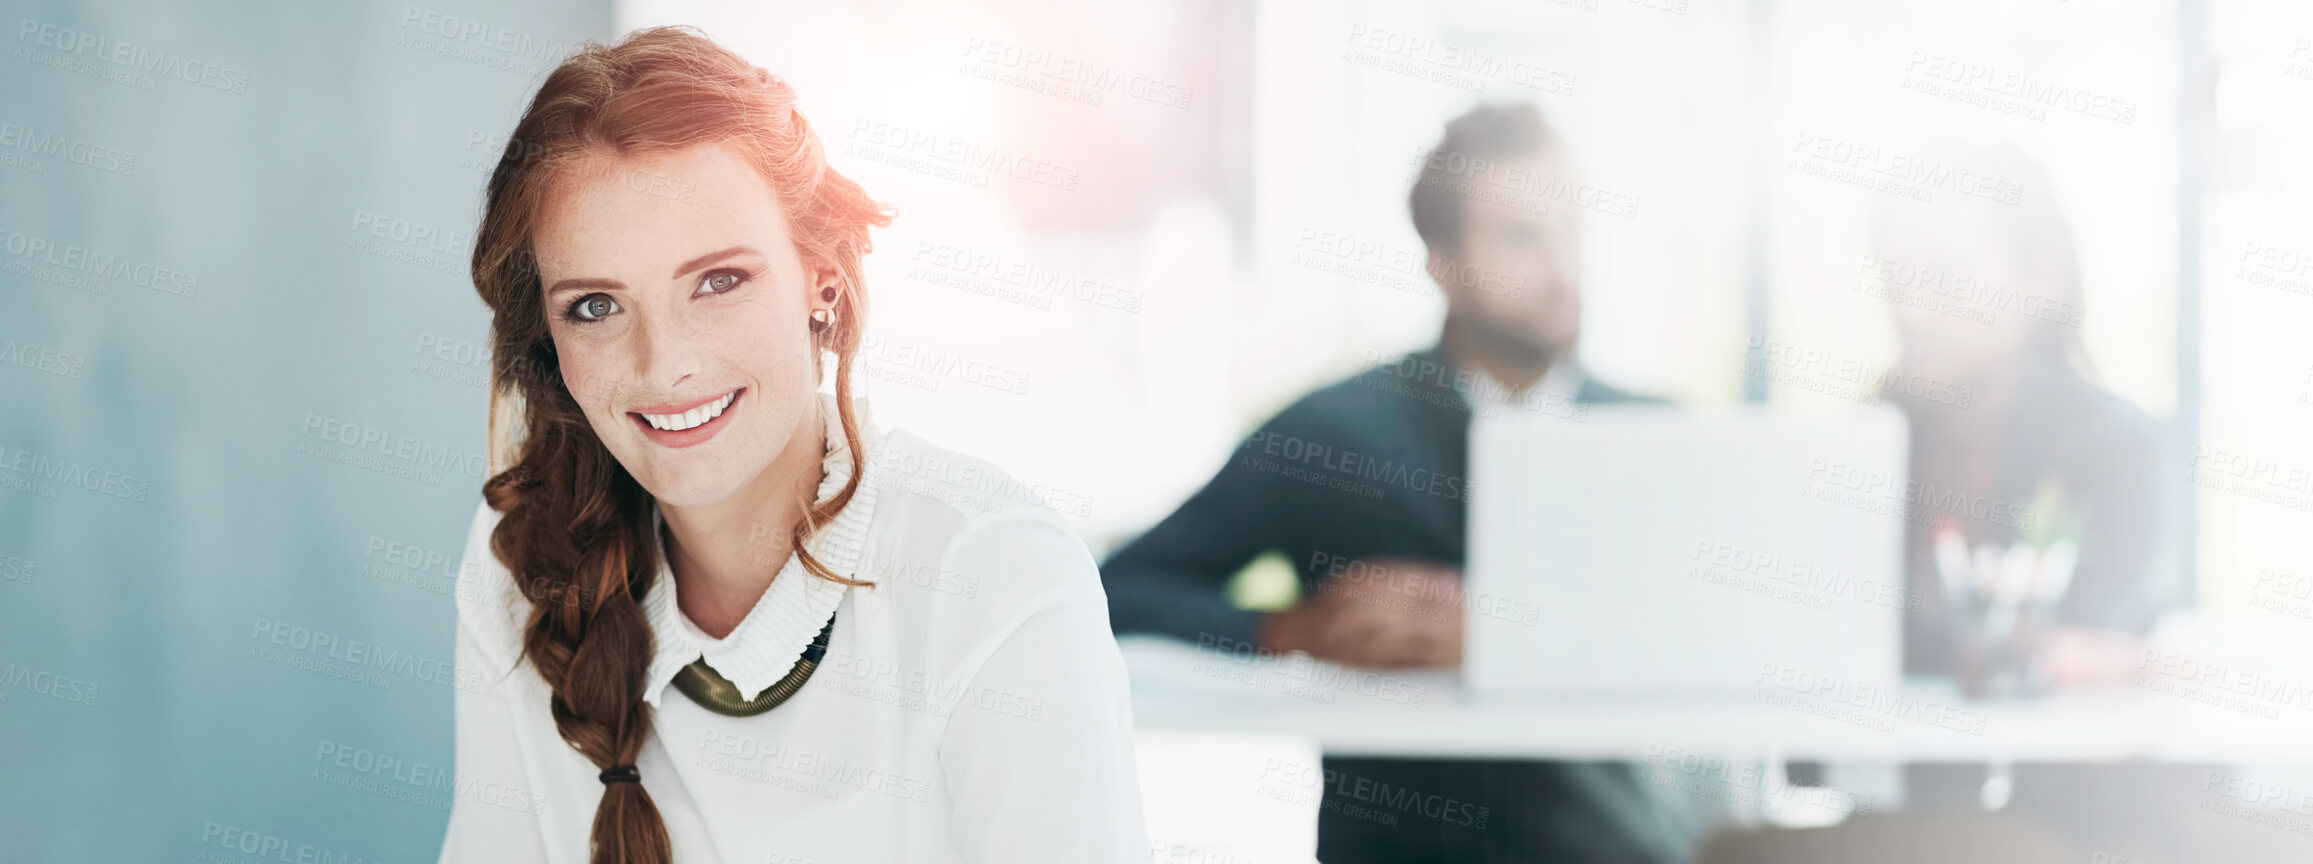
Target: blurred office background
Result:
[212, 274]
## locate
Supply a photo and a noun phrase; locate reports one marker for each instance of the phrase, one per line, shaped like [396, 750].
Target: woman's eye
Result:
[721, 281]
[593, 307]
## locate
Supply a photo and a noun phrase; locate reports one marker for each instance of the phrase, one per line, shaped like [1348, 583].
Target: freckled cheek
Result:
[771, 361]
[760, 346]
[587, 373]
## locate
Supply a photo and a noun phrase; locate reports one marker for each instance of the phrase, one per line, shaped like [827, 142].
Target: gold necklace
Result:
[715, 693]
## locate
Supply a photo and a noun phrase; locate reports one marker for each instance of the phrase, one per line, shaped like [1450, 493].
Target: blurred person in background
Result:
[1380, 575]
[2015, 445]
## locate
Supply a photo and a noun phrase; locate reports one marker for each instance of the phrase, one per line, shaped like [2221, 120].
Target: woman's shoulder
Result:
[2074, 419]
[490, 604]
[963, 528]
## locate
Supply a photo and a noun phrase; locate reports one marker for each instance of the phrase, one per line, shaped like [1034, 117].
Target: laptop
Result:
[1651, 550]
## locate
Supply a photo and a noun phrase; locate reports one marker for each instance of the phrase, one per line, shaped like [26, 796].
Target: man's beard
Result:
[1517, 345]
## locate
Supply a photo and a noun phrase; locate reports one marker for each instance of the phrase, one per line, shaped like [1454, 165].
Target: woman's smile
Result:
[686, 424]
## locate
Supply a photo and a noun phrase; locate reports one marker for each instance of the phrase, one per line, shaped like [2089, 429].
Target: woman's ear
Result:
[826, 282]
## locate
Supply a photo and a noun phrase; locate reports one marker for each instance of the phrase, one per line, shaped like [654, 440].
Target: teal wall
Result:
[197, 310]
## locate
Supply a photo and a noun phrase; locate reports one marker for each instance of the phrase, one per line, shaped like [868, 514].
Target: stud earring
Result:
[818, 320]
[827, 293]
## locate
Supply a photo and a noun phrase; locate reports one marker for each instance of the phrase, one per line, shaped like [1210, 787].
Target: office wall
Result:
[241, 415]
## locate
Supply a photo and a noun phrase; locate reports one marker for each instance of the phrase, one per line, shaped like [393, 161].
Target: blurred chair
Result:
[1932, 837]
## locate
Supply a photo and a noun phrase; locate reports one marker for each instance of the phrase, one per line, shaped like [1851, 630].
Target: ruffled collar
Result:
[766, 644]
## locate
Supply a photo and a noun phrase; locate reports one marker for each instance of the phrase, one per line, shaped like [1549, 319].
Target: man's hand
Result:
[1394, 614]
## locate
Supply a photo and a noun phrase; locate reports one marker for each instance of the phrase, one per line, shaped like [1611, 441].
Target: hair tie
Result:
[621, 774]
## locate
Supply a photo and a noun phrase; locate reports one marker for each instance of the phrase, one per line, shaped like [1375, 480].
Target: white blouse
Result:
[971, 707]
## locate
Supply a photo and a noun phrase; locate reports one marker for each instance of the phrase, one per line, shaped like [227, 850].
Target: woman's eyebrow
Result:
[710, 258]
[615, 285]
[579, 284]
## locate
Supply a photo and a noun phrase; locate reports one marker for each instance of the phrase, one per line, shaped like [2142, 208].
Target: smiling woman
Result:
[679, 342]
[661, 361]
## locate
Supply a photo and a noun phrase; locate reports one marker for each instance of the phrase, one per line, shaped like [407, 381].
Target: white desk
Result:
[1368, 713]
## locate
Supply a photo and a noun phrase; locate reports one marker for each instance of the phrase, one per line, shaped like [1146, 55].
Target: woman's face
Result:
[680, 312]
[1961, 324]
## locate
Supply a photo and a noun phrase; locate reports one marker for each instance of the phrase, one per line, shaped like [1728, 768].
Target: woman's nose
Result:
[666, 352]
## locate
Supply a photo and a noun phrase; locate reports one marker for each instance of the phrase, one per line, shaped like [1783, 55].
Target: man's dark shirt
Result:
[1375, 466]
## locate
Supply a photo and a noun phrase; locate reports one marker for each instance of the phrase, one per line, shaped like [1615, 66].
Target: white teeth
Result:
[693, 417]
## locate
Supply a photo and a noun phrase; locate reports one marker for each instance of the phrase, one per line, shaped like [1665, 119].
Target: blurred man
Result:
[1363, 486]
